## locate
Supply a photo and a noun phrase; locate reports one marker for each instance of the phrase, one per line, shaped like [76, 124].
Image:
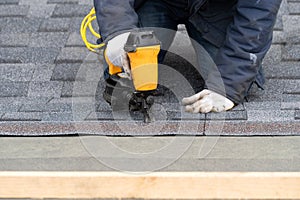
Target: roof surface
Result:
[52, 85]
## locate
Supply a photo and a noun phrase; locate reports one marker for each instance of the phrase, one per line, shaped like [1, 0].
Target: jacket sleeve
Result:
[248, 39]
[114, 16]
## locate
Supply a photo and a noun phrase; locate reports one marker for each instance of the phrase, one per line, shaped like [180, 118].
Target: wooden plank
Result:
[162, 185]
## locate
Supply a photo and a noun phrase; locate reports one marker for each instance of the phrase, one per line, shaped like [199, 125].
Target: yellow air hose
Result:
[87, 23]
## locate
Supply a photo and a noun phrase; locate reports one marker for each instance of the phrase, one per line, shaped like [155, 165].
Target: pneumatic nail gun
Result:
[142, 48]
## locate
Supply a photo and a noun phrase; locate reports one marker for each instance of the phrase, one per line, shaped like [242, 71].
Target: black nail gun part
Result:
[120, 94]
[140, 39]
[142, 102]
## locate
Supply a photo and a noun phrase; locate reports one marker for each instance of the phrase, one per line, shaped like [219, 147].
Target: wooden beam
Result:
[162, 185]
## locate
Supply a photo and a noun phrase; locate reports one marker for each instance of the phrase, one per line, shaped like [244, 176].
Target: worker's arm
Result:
[115, 17]
[248, 39]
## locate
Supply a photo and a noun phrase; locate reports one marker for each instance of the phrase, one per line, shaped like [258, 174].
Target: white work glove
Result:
[207, 101]
[116, 54]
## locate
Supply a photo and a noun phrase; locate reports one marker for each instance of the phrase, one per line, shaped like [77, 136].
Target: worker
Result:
[236, 33]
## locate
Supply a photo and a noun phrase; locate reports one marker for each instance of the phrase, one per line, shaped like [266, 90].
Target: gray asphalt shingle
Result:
[46, 107]
[40, 10]
[294, 8]
[16, 72]
[283, 70]
[65, 72]
[55, 25]
[45, 89]
[291, 28]
[9, 107]
[9, 2]
[70, 10]
[19, 25]
[72, 55]
[75, 40]
[292, 86]
[47, 39]
[43, 72]
[290, 101]
[291, 52]
[10, 10]
[14, 39]
[13, 89]
[58, 117]
[28, 55]
[22, 116]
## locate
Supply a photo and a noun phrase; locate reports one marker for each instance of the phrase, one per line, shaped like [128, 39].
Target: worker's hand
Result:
[116, 54]
[207, 101]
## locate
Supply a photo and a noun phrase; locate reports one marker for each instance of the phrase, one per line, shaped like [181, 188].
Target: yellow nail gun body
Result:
[142, 48]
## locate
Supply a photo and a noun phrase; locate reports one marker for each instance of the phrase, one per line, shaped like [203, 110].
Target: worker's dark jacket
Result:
[242, 47]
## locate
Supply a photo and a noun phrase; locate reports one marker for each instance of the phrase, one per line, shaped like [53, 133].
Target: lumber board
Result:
[156, 185]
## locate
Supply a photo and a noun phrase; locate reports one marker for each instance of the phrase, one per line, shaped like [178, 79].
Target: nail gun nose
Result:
[129, 97]
[150, 100]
